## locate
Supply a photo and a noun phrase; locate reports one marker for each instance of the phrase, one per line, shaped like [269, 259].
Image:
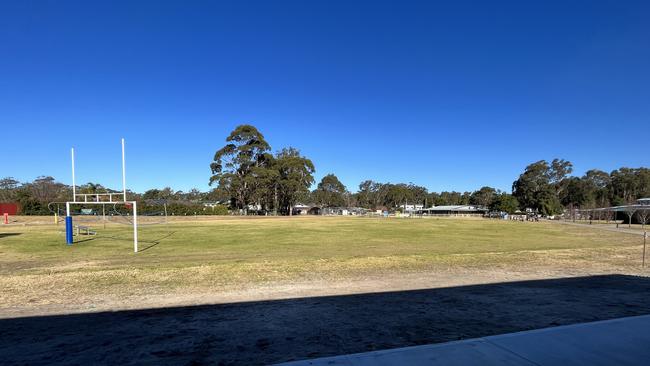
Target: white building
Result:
[411, 208]
[453, 210]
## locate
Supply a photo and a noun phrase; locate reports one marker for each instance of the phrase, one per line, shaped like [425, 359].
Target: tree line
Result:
[248, 178]
[35, 197]
[549, 187]
[248, 175]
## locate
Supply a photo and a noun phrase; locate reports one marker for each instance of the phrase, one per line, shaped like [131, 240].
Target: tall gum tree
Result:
[330, 192]
[235, 165]
[295, 174]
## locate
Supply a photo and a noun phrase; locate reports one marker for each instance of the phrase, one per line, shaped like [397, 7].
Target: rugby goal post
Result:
[118, 198]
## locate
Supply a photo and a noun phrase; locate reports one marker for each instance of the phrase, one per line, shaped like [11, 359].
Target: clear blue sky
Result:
[445, 96]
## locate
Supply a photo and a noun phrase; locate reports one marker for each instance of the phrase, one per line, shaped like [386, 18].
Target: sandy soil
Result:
[227, 329]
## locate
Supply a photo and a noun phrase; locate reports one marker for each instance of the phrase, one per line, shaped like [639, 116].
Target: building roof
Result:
[465, 208]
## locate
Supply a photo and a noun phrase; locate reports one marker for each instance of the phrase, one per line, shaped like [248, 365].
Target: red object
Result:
[6, 218]
[9, 208]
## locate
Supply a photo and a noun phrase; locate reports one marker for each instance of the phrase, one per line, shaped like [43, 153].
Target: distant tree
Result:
[365, 194]
[46, 189]
[399, 194]
[595, 184]
[643, 215]
[505, 202]
[8, 189]
[643, 185]
[449, 198]
[465, 198]
[295, 173]
[234, 165]
[418, 193]
[194, 195]
[330, 192]
[628, 184]
[559, 170]
[623, 185]
[374, 194]
[534, 180]
[218, 195]
[483, 197]
[264, 184]
[380, 194]
[453, 198]
[541, 184]
[370, 195]
[151, 194]
[629, 210]
[91, 188]
[549, 203]
[434, 199]
[541, 181]
[30, 205]
[350, 199]
[166, 193]
[577, 193]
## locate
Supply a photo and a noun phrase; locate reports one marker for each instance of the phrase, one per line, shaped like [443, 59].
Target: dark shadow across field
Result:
[265, 332]
[4, 235]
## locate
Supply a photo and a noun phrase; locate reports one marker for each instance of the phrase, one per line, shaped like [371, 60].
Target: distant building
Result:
[411, 208]
[307, 209]
[301, 209]
[453, 210]
[343, 211]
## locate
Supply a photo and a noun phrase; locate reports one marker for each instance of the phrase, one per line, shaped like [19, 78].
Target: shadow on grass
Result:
[155, 242]
[152, 243]
[4, 235]
[89, 238]
[263, 332]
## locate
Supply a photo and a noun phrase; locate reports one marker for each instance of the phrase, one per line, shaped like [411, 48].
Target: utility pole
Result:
[645, 237]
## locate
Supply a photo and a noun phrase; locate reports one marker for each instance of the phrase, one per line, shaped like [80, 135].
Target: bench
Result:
[85, 230]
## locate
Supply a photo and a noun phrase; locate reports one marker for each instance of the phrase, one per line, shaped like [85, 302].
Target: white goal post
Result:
[100, 199]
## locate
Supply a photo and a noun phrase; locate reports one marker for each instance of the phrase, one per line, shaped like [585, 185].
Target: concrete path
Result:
[624, 341]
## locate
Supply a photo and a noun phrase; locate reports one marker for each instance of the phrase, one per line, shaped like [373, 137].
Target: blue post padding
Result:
[68, 230]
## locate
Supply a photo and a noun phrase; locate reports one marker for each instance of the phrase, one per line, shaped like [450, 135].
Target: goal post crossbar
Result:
[100, 199]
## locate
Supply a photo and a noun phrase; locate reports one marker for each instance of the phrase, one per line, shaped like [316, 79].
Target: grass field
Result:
[233, 254]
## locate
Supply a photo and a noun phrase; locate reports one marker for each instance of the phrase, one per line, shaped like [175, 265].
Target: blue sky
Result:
[452, 97]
